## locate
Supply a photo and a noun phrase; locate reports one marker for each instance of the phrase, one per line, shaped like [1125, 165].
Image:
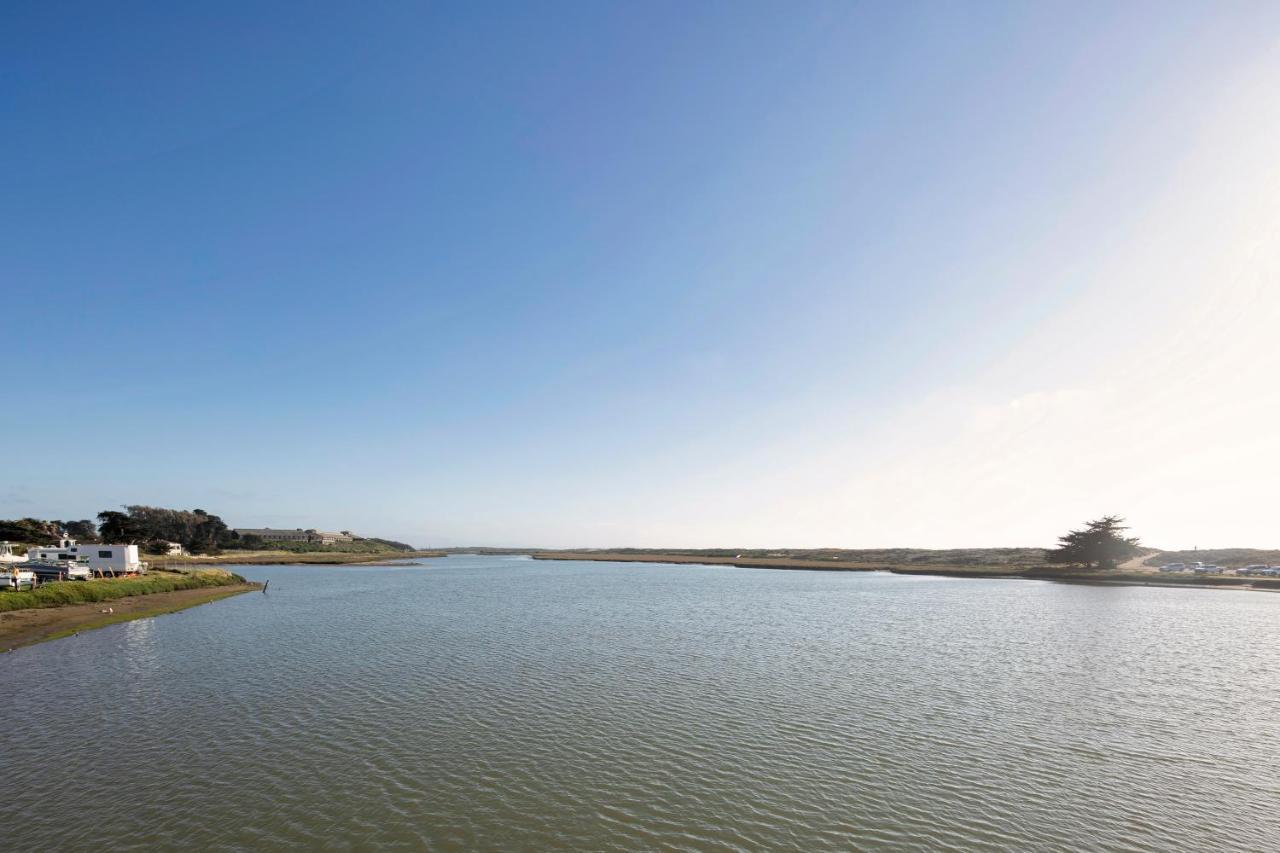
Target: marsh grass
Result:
[63, 593]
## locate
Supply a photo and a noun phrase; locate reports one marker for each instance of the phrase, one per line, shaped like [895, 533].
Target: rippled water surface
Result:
[502, 703]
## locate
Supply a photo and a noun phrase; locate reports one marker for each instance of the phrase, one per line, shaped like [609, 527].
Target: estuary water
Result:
[501, 703]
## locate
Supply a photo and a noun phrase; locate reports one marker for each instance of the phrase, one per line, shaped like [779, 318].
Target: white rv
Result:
[101, 559]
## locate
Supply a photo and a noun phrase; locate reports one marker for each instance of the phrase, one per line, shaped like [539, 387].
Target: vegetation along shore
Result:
[290, 558]
[177, 538]
[62, 609]
[1025, 563]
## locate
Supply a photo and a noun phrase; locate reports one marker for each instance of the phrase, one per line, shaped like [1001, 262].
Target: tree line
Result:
[153, 528]
[38, 531]
[197, 531]
[1099, 545]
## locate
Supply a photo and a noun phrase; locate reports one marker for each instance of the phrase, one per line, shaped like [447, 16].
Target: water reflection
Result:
[498, 703]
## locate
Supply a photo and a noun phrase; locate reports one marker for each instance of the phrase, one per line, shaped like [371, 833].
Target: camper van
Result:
[101, 559]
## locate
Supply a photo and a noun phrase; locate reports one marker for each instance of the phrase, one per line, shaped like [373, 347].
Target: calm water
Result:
[502, 703]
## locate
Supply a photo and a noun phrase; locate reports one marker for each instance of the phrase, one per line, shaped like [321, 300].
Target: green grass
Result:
[87, 592]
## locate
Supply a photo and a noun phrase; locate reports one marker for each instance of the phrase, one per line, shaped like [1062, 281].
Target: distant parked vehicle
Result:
[7, 557]
[16, 578]
[1209, 570]
[1174, 567]
[1255, 569]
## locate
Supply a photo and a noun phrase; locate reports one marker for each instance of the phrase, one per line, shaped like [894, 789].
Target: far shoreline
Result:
[289, 558]
[986, 572]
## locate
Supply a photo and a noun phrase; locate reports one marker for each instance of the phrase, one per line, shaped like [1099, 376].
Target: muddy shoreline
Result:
[37, 624]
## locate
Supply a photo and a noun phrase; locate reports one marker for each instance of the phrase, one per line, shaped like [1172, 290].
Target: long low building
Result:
[310, 535]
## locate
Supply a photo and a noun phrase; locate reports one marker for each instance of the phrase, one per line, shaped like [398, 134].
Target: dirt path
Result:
[1137, 564]
[24, 627]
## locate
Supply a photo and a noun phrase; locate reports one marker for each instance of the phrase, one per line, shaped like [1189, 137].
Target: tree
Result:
[196, 530]
[119, 528]
[156, 546]
[248, 541]
[1100, 545]
[84, 530]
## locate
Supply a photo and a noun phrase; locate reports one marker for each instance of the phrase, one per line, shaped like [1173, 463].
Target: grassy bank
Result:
[65, 593]
[38, 624]
[1150, 579]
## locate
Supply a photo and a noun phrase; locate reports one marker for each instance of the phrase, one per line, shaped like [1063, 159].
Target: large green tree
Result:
[119, 528]
[84, 530]
[198, 531]
[1100, 545]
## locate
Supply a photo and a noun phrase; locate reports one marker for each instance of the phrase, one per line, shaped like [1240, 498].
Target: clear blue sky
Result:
[649, 273]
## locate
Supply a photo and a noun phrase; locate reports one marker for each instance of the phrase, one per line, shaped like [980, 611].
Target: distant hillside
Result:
[356, 546]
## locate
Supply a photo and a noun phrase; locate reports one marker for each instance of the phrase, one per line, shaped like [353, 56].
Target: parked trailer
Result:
[102, 559]
[60, 570]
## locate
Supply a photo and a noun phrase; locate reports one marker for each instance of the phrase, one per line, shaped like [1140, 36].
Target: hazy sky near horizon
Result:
[686, 274]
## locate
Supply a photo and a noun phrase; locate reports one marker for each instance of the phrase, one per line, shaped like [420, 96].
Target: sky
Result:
[652, 274]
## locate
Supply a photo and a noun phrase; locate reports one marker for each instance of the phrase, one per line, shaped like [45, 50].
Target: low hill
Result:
[1003, 558]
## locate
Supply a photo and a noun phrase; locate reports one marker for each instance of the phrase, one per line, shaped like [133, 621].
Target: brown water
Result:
[503, 704]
